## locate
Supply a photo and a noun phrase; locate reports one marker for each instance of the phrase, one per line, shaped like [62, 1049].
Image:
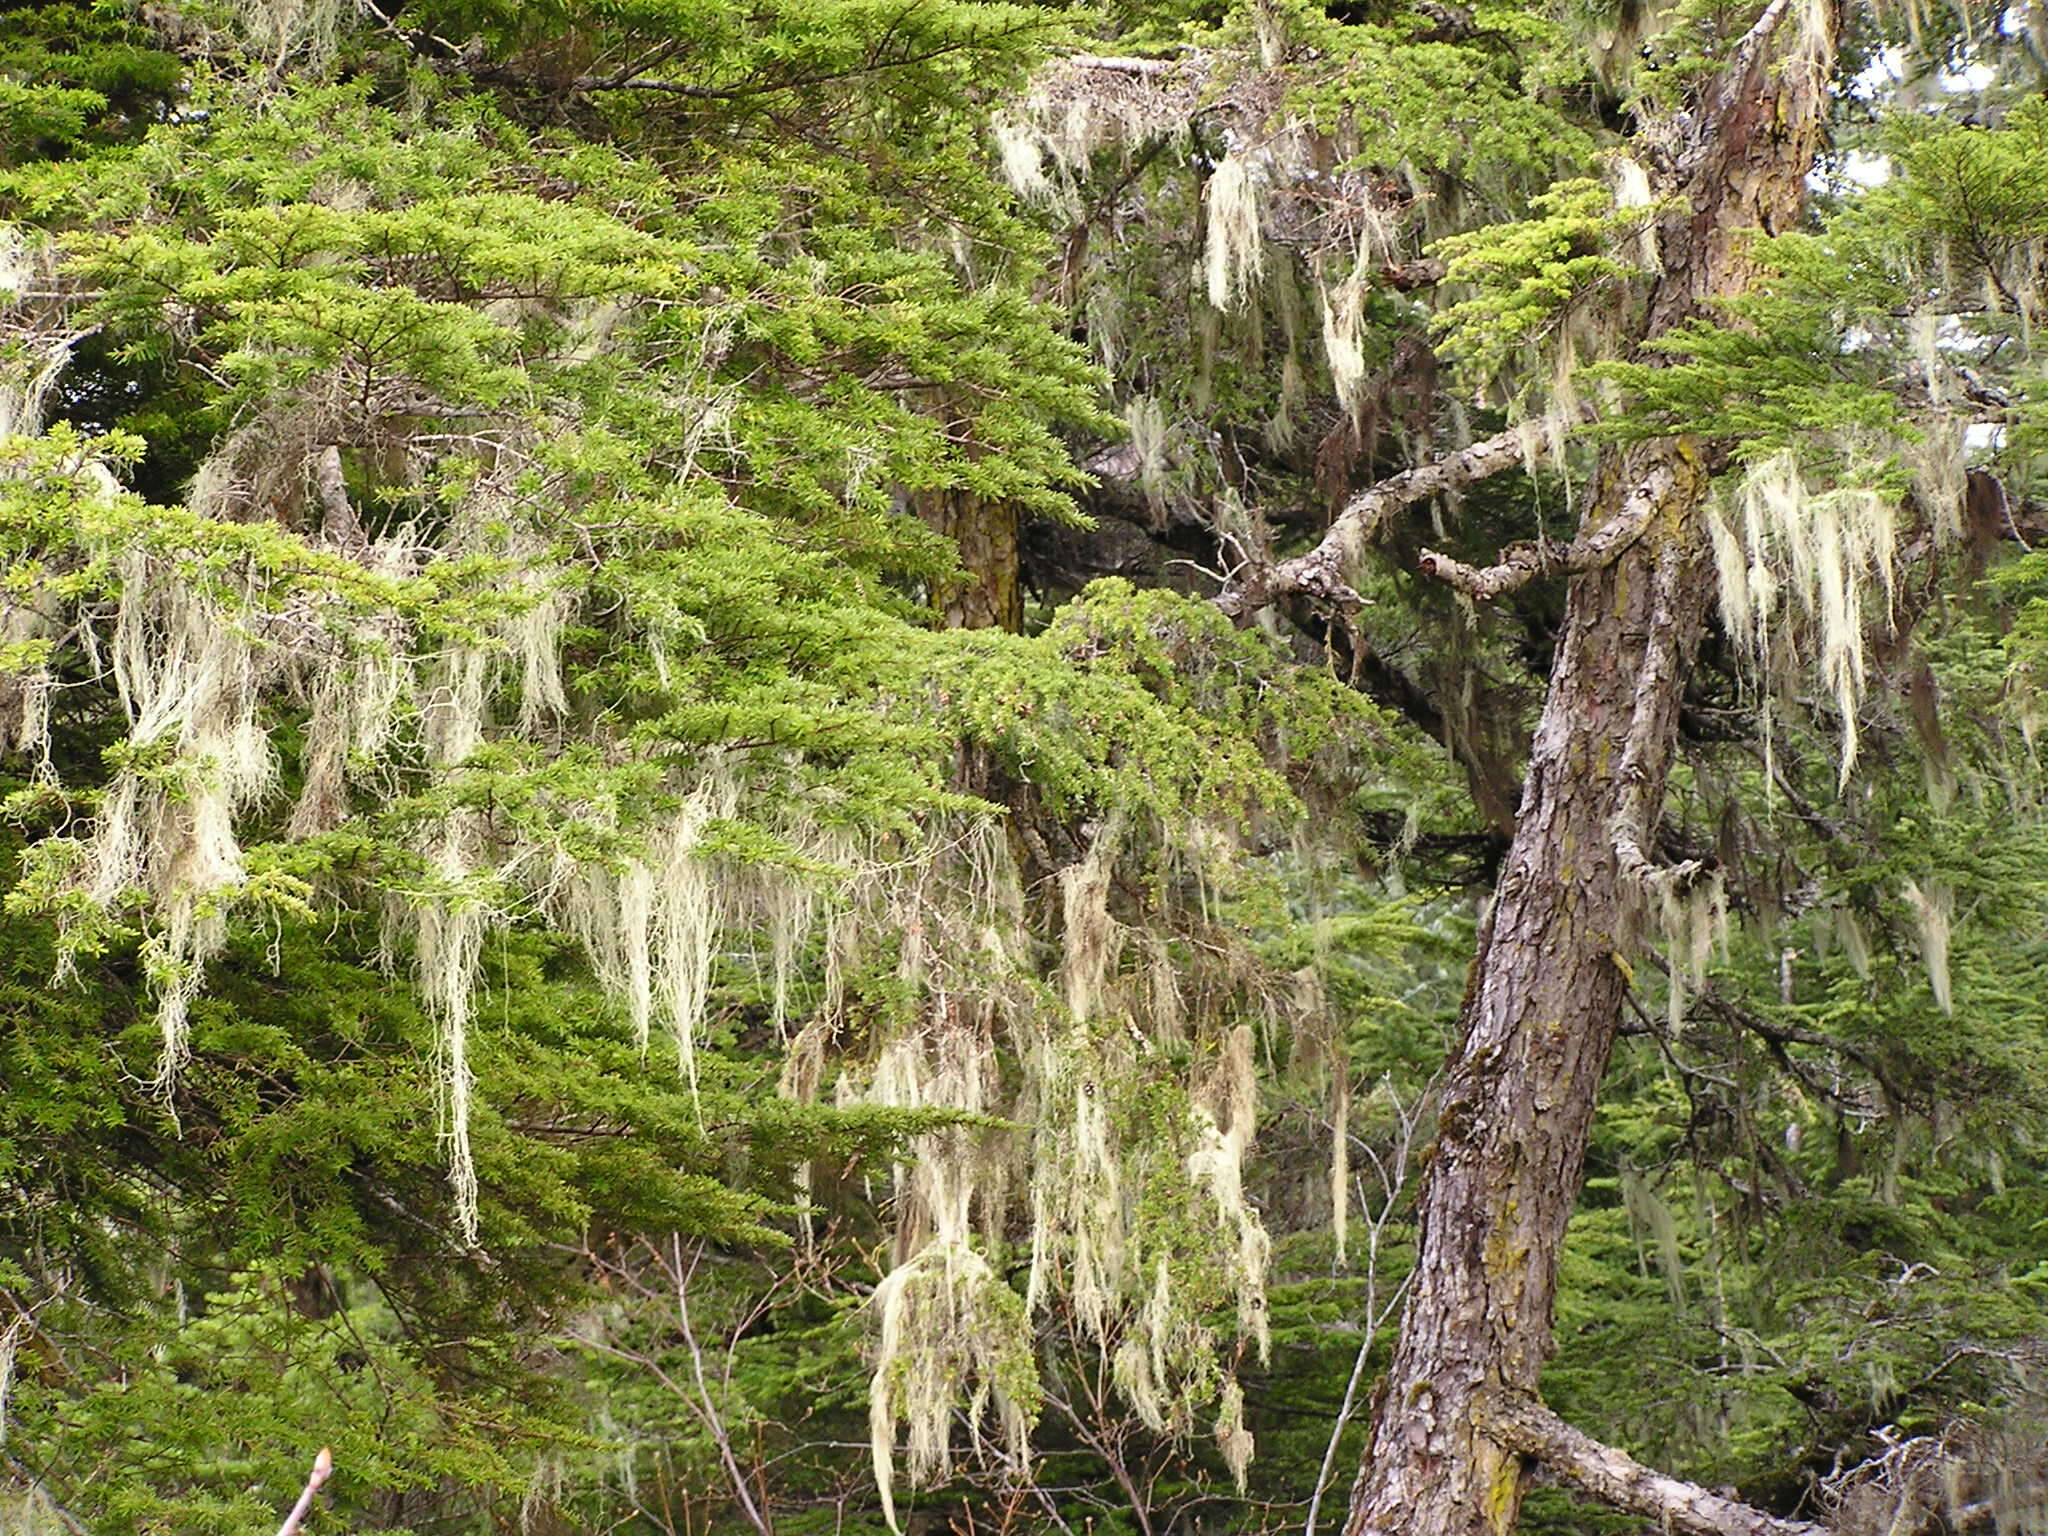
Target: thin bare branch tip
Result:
[323, 1468]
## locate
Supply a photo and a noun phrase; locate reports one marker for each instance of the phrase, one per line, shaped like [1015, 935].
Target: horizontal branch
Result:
[1524, 563]
[1519, 565]
[696, 92]
[1119, 66]
[1325, 571]
[1521, 1423]
[1406, 276]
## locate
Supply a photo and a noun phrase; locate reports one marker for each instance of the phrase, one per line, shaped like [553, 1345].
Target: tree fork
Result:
[1444, 1457]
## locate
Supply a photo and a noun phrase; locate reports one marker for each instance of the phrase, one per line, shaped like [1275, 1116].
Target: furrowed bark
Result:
[1545, 1001]
[987, 533]
[1539, 1024]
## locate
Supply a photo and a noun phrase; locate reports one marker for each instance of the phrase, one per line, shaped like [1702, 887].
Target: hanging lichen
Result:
[1233, 1440]
[1932, 905]
[950, 1331]
[1692, 920]
[190, 675]
[1145, 419]
[661, 723]
[1021, 157]
[1797, 567]
[29, 365]
[281, 30]
[1235, 250]
[1343, 307]
[1130, 1171]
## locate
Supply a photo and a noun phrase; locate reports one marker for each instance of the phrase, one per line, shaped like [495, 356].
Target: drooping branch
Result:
[1324, 572]
[1778, 1036]
[1524, 563]
[1613, 1476]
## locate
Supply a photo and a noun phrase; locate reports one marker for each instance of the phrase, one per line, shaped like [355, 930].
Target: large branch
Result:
[1522, 1424]
[1523, 563]
[1324, 572]
[1678, 475]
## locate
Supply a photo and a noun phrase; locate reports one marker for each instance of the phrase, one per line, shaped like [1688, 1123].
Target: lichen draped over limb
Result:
[1128, 1168]
[418, 653]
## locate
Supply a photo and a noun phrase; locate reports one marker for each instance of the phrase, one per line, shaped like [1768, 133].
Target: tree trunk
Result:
[992, 596]
[1539, 1022]
[1547, 986]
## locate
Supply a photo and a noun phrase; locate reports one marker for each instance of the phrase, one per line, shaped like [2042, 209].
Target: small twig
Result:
[706, 1407]
[1408, 1118]
[323, 1468]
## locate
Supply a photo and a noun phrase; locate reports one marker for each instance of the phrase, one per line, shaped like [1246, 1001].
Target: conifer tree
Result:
[748, 757]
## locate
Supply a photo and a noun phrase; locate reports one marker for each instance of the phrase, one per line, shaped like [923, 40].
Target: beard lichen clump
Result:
[1692, 919]
[1797, 574]
[447, 646]
[1235, 252]
[949, 1327]
[1129, 1164]
[190, 674]
[1932, 906]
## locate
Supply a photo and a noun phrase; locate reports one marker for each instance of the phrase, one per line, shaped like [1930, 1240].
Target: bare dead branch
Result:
[1393, 1172]
[323, 1468]
[1324, 572]
[1524, 563]
[1146, 67]
[1748, 50]
[1613, 1476]
[1519, 565]
[706, 1406]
